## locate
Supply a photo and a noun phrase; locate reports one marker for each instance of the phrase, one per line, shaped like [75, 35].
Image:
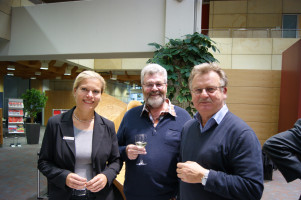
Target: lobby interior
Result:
[250, 36]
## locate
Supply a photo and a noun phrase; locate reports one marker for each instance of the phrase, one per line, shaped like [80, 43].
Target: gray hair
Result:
[153, 69]
[205, 68]
[86, 75]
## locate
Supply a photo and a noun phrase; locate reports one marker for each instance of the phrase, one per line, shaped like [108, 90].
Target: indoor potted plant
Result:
[34, 101]
[178, 57]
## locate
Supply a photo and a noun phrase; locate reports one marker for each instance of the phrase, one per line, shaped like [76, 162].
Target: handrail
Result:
[252, 33]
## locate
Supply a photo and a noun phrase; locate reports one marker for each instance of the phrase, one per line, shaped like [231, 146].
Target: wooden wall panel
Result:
[253, 78]
[290, 96]
[57, 100]
[255, 113]
[254, 96]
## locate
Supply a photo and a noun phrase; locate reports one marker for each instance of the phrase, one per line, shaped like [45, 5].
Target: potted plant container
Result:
[34, 101]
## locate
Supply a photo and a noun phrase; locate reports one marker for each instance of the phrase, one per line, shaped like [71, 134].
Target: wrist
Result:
[205, 177]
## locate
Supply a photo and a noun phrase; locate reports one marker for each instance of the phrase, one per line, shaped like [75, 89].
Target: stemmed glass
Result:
[140, 141]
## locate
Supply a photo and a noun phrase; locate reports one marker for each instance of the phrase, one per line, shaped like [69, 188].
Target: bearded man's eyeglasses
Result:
[151, 85]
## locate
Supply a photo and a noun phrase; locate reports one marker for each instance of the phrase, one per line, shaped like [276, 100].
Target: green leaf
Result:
[156, 45]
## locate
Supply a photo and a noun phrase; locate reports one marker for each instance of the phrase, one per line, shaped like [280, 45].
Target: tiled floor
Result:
[18, 175]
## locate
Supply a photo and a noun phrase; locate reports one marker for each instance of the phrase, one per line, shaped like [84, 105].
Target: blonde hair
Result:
[89, 74]
[205, 68]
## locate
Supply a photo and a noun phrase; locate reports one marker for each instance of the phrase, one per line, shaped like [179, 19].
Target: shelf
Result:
[18, 107]
[10, 115]
[15, 118]
[15, 132]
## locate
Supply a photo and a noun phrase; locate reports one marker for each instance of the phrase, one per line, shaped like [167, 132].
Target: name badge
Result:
[68, 138]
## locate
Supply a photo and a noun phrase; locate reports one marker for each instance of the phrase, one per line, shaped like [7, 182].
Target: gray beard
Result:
[155, 103]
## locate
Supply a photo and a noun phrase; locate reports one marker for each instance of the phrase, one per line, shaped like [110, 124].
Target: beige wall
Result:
[251, 13]
[120, 64]
[251, 53]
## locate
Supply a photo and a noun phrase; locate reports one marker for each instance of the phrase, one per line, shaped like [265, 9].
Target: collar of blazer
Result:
[68, 131]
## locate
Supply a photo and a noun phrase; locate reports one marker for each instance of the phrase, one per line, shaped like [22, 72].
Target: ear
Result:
[74, 91]
[225, 90]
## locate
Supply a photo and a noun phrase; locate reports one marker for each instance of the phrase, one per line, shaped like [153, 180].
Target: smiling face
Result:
[207, 104]
[154, 90]
[87, 94]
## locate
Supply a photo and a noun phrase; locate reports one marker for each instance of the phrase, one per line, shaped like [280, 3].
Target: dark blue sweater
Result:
[232, 153]
[158, 179]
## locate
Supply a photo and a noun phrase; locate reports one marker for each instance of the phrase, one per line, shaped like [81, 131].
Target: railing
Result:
[252, 33]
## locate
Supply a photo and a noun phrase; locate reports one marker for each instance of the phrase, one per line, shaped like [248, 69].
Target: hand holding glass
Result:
[140, 141]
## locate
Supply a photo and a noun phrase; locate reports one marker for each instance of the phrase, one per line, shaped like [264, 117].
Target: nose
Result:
[154, 87]
[90, 93]
[204, 92]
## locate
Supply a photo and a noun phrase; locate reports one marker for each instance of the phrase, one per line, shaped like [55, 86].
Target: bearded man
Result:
[162, 122]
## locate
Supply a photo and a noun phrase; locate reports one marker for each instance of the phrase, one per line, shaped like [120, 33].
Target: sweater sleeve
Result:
[284, 149]
[245, 163]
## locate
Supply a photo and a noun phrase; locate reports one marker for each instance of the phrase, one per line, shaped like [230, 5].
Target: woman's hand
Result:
[75, 181]
[97, 183]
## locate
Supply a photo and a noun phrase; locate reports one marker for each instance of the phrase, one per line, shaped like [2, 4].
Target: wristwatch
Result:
[205, 177]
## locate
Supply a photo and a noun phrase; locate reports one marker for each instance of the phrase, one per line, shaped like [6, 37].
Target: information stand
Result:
[15, 120]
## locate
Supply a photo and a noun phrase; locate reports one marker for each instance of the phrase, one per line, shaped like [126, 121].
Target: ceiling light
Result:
[67, 72]
[114, 77]
[44, 65]
[10, 74]
[33, 77]
[37, 73]
[10, 67]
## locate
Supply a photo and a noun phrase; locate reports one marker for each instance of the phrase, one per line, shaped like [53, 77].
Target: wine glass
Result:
[140, 141]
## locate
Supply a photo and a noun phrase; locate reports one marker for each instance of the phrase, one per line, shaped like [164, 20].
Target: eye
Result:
[210, 89]
[198, 91]
[96, 92]
[84, 89]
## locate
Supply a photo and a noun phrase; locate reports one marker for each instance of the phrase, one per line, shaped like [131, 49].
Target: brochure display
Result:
[15, 119]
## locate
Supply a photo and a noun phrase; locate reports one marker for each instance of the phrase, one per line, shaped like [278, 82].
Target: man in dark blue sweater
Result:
[162, 122]
[220, 154]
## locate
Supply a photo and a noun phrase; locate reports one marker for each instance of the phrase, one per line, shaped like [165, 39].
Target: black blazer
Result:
[57, 155]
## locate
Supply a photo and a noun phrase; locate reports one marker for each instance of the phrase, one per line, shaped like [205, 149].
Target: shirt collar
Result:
[217, 118]
[170, 109]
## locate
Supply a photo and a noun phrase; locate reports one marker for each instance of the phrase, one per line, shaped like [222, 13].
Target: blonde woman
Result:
[79, 154]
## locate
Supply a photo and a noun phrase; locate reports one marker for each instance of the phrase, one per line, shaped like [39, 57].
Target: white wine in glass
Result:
[140, 141]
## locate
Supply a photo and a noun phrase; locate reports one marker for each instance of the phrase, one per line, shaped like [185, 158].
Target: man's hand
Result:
[132, 151]
[190, 172]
